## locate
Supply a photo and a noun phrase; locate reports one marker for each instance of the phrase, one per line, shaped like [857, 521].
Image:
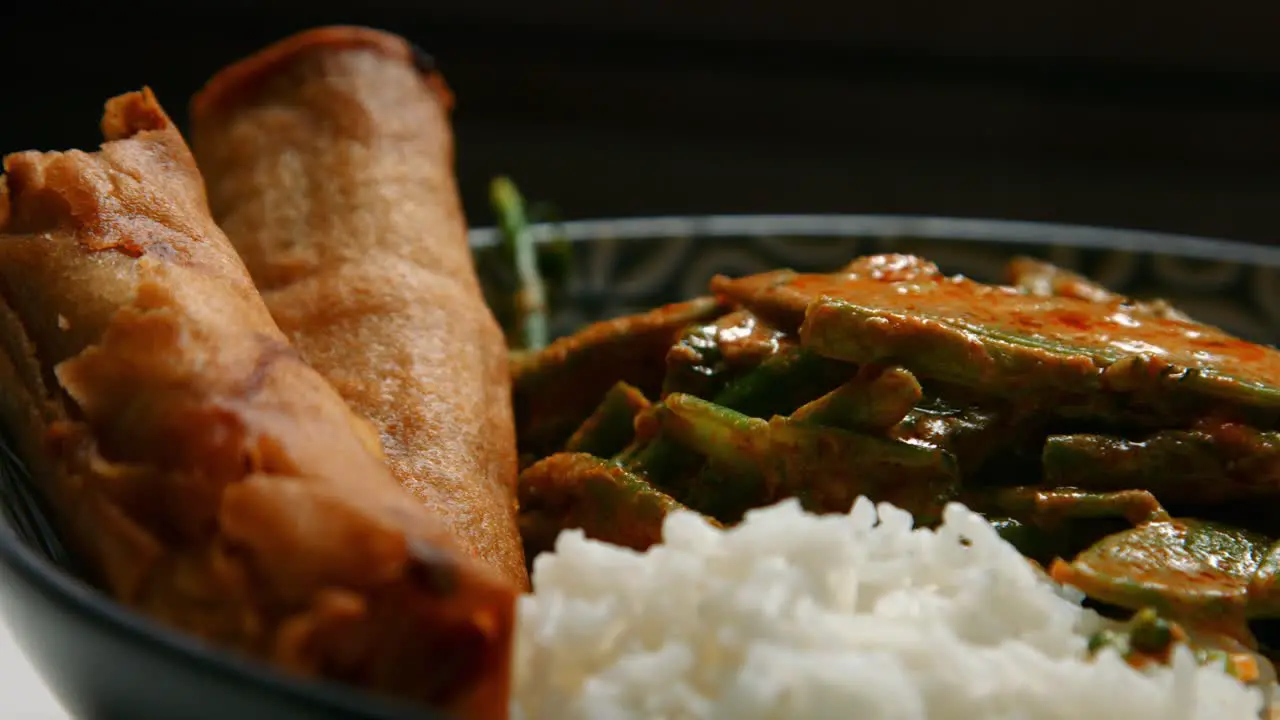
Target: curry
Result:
[1117, 443]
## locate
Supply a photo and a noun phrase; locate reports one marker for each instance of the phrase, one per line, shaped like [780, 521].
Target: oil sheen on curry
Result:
[905, 306]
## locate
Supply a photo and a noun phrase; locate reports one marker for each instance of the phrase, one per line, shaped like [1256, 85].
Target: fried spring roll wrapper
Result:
[204, 473]
[329, 160]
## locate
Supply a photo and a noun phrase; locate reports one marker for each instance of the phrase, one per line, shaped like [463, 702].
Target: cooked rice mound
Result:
[792, 615]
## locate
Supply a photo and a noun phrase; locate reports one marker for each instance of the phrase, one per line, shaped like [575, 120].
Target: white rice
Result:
[791, 615]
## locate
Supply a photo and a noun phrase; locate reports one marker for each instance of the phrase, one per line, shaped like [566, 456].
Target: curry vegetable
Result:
[1116, 441]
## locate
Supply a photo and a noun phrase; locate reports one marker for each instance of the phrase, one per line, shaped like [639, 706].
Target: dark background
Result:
[1152, 115]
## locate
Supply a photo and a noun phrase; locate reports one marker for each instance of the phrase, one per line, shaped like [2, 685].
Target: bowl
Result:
[103, 661]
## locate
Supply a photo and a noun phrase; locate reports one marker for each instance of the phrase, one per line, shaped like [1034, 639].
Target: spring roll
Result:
[329, 161]
[203, 473]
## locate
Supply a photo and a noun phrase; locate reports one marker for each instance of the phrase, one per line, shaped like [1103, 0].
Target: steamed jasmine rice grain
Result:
[791, 615]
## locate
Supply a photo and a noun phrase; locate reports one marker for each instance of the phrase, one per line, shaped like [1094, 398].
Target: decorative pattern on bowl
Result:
[624, 266]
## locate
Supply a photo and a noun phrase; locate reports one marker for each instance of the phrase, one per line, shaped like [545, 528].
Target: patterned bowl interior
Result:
[623, 266]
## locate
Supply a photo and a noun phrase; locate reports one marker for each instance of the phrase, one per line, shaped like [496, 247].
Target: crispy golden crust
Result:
[207, 475]
[329, 159]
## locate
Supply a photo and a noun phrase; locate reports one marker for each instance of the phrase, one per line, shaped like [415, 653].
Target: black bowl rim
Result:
[73, 596]
[922, 227]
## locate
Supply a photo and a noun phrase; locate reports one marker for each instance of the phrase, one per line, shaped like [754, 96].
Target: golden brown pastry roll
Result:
[205, 474]
[329, 161]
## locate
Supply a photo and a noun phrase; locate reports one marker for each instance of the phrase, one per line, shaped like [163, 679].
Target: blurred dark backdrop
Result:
[1154, 115]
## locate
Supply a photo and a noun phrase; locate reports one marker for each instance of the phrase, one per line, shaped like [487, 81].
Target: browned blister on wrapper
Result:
[204, 473]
